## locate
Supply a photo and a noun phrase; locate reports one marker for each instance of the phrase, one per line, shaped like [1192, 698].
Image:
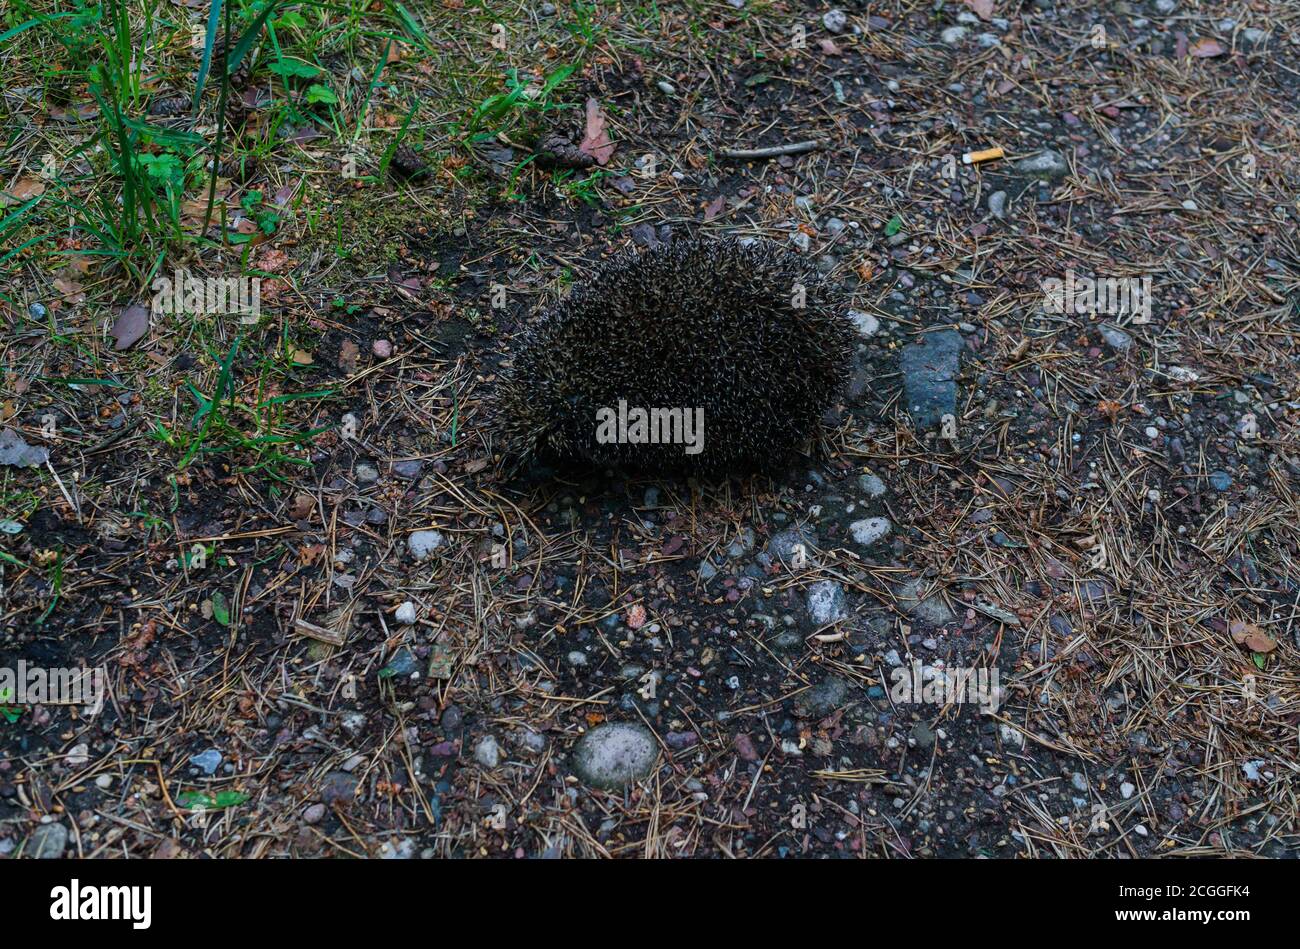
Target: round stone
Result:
[869, 530]
[613, 755]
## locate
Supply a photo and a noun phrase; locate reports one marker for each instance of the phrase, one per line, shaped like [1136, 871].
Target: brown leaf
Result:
[349, 352]
[596, 141]
[70, 290]
[23, 189]
[1252, 637]
[714, 208]
[131, 324]
[981, 8]
[272, 260]
[1110, 408]
[1206, 47]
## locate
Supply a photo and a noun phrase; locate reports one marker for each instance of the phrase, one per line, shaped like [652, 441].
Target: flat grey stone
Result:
[1046, 164]
[930, 370]
[869, 530]
[871, 485]
[932, 609]
[824, 697]
[48, 841]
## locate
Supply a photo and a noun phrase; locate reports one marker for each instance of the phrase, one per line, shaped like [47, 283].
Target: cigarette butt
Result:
[985, 154]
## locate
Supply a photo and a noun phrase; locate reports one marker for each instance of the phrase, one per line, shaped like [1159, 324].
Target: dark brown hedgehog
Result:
[702, 357]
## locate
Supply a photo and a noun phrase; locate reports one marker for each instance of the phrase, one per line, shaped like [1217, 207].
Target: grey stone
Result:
[826, 602]
[532, 741]
[406, 614]
[932, 609]
[402, 849]
[781, 546]
[998, 204]
[1115, 337]
[824, 697]
[613, 755]
[48, 841]
[338, 787]
[871, 485]
[208, 761]
[1046, 164]
[930, 370]
[423, 543]
[487, 752]
[869, 530]
[954, 35]
[866, 323]
[1220, 480]
[835, 20]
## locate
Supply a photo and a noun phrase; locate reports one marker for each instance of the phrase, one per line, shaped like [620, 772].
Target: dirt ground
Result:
[334, 625]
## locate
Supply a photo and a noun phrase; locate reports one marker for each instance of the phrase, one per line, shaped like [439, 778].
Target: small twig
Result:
[772, 151]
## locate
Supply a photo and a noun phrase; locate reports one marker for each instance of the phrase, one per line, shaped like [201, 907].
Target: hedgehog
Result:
[700, 357]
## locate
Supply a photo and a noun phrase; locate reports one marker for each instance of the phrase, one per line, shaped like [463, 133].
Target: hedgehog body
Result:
[706, 357]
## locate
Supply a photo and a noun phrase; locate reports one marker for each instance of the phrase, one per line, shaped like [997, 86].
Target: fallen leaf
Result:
[981, 8]
[302, 358]
[1110, 408]
[1206, 47]
[130, 325]
[596, 141]
[22, 190]
[348, 355]
[714, 208]
[272, 260]
[1252, 637]
[15, 451]
[69, 289]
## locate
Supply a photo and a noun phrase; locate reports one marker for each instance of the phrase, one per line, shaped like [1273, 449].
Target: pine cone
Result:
[242, 75]
[407, 162]
[236, 170]
[221, 51]
[556, 151]
[169, 106]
